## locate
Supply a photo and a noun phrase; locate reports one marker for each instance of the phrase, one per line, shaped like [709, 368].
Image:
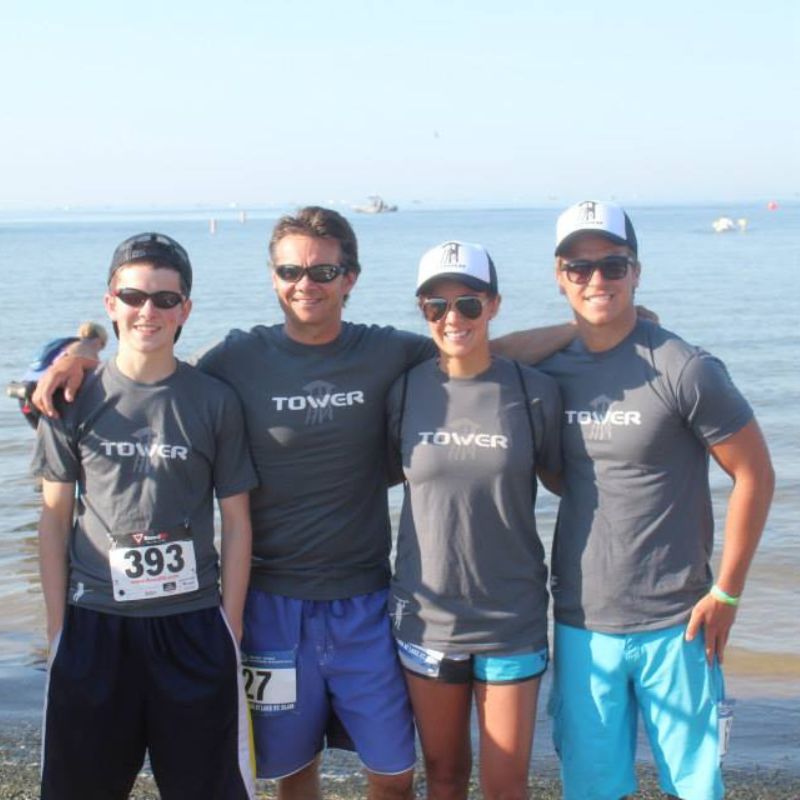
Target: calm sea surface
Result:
[733, 293]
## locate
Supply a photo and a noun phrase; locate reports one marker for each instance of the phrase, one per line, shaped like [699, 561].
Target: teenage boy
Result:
[318, 649]
[641, 626]
[142, 656]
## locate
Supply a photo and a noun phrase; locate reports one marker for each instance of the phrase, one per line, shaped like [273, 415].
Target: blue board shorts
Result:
[324, 670]
[601, 683]
[171, 685]
[467, 667]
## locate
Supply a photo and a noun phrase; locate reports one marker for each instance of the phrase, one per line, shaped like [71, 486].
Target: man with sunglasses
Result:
[640, 625]
[319, 657]
[142, 655]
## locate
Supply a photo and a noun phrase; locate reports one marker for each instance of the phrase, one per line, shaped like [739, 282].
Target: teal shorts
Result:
[601, 683]
[468, 667]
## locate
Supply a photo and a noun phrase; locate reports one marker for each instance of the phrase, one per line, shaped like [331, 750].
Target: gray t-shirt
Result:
[470, 573]
[147, 459]
[635, 527]
[316, 424]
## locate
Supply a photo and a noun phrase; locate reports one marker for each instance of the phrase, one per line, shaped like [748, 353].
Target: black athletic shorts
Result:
[119, 686]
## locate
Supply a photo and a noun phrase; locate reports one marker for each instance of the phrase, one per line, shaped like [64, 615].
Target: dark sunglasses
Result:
[612, 268]
[435, 308]
[319, 273]
[137, 298]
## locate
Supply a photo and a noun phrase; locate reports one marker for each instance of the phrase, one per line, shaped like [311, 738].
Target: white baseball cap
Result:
[594, 216]
[466, 263]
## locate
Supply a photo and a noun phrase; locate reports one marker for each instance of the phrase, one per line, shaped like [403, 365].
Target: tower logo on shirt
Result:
[146, 450]
[599, 422]
[463, 439]
[318, 402]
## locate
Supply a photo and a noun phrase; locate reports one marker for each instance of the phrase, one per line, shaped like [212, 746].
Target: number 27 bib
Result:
[149, 564]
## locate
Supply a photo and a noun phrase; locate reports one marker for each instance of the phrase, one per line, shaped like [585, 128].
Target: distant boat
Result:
[376, 205]
[723, 225]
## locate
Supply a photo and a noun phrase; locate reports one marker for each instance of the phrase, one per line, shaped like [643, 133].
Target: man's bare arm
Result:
[534, 345]
[744, 456]
[236, 549]
[55, 525]
[65, 373]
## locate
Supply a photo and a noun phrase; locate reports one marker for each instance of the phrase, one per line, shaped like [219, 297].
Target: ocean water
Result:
[731, 293]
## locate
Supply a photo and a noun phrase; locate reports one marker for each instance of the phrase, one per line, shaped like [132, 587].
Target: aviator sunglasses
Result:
[137, 298]
[319, 273]
[612, 268]
[469, 306]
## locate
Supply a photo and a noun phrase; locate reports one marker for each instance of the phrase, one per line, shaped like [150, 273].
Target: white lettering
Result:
[609, 418]
[137, 449]
[300, 402]
[447, 438]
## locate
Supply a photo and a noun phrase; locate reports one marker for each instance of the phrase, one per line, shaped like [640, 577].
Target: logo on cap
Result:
[450, 254]
[588, 211]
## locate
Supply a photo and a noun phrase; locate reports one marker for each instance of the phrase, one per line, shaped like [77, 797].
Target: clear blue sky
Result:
[442, 101]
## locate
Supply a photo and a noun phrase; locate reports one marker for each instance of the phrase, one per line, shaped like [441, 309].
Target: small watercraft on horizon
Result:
[376, 205]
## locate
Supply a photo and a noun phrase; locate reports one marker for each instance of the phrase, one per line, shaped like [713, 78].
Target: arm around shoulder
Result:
[534, 345]
[66, 373]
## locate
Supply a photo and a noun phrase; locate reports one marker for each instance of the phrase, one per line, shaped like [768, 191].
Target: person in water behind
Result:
[91, 335]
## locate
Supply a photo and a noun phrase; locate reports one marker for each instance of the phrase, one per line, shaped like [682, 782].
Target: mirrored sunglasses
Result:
[319, 273]
[469, 306]
[137, 298]
[612, 268]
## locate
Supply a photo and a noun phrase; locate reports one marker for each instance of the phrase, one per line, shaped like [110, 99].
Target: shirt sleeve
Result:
[233, 465]
[547, 416]
[394, 412]
[55, 455]
[712, 406]
[416, 348]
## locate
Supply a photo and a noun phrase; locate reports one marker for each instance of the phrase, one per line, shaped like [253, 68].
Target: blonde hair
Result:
[93, 330]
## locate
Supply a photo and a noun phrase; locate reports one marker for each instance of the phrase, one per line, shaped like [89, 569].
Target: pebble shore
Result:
[19, 778]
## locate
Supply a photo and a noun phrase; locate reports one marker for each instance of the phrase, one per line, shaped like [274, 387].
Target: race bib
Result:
[146, 565]
[270, 681]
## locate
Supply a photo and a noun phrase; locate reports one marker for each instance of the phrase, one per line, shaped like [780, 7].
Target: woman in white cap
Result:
[469, 598]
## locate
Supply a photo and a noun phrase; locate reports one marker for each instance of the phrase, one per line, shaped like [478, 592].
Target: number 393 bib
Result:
[149, 564]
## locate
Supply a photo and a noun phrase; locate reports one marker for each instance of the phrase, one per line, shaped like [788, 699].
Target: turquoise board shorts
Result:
[320, 672]
[466, 667]
[601, 683]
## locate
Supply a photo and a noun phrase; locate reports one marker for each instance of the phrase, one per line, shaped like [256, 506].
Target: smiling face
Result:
[604, 309]
[313, 311]
[146, 330]
[463, 342]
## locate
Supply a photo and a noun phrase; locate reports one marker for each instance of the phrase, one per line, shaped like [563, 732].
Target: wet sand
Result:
[19, 778]
[763, 763]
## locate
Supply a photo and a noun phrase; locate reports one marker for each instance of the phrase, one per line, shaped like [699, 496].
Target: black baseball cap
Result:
[156, 247]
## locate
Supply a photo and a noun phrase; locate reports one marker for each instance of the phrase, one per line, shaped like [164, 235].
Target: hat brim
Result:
[611, 237]
[457, 277]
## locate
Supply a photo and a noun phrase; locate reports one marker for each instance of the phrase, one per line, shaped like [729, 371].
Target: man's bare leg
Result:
[390, 787]
[301, 785]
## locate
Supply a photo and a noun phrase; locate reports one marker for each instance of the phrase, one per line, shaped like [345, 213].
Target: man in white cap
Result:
[641, 626]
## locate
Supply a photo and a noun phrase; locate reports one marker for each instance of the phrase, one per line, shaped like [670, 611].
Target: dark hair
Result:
[319, 223]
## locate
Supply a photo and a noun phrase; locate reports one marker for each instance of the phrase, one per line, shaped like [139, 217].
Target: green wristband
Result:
[723, 597]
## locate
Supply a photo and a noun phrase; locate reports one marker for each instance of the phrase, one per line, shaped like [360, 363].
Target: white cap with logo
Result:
[592, 216]
[466, 263]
